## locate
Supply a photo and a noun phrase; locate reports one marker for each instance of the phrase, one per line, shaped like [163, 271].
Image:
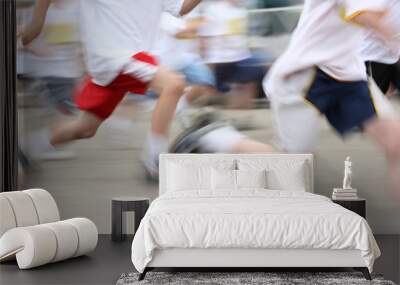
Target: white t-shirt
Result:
[58, 43]
[326, 38]
[374, 48]
[171, 51]
[114, 30]
[225, 31]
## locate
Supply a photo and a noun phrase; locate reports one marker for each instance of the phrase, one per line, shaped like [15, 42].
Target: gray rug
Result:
[253, 278]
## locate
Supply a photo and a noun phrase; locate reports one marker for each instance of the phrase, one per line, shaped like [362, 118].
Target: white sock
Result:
[222, 140]
[156, 144]
[182, 105]
[40, 140]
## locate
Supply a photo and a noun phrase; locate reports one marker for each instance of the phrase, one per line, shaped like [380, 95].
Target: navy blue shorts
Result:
[385, 75]
[244, 71]
[346, 105]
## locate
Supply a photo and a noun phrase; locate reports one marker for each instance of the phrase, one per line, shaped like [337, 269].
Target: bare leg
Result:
[198, 91]
[249, 93]
[251, 146]
[243, 96]
[85, 126]
[391, 92]
[229, 140]
[191, 94]
[170, 86]
[386, 133]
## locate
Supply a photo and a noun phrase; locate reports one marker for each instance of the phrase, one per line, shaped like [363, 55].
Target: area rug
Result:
[253, 278]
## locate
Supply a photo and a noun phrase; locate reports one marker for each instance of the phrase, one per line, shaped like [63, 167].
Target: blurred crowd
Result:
[209, 47]
[223, 49]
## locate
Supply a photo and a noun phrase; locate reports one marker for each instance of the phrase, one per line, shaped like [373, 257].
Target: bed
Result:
[247, 211]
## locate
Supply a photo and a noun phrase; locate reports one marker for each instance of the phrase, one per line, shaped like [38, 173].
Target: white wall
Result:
[383, 212]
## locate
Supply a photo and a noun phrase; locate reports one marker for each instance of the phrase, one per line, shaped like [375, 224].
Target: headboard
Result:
[165, 158]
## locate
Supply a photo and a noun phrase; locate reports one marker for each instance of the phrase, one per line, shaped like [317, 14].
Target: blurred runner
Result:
[322, 72]
[208, 132]
[52, 67]
[382, 62]
[225, 47]
[178, 49]
[117, 36]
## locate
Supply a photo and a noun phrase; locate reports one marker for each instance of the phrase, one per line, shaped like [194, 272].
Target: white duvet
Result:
[250, 219]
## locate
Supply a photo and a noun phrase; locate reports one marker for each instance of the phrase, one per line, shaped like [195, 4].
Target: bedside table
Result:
[139, 205]
[357, 206]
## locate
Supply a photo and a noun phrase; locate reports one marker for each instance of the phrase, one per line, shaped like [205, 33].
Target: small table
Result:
[357, 206]
[139, 205]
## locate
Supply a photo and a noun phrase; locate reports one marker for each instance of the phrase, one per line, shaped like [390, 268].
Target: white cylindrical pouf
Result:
[87, 234]
[7, 218]
[24, 209]
[34, 246]
[45, 205]
[67, 240]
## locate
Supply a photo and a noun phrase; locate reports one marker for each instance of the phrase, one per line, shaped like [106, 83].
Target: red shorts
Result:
[102, 100]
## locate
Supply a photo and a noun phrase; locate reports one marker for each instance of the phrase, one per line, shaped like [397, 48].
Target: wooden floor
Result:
[110, 260]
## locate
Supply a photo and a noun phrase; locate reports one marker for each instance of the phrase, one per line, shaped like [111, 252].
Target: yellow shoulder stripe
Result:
[351, 17]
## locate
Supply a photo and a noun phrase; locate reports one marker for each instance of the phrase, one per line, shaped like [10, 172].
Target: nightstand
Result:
[139, 205]
[358, 206]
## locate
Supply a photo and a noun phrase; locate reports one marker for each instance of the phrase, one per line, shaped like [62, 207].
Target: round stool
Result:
[139, 205]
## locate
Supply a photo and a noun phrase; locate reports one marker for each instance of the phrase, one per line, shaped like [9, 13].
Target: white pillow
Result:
[251, 179]
[293, 179]
[183, 178]
[231, 180]
[223, 179]
[288, 175]
[188, 174]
